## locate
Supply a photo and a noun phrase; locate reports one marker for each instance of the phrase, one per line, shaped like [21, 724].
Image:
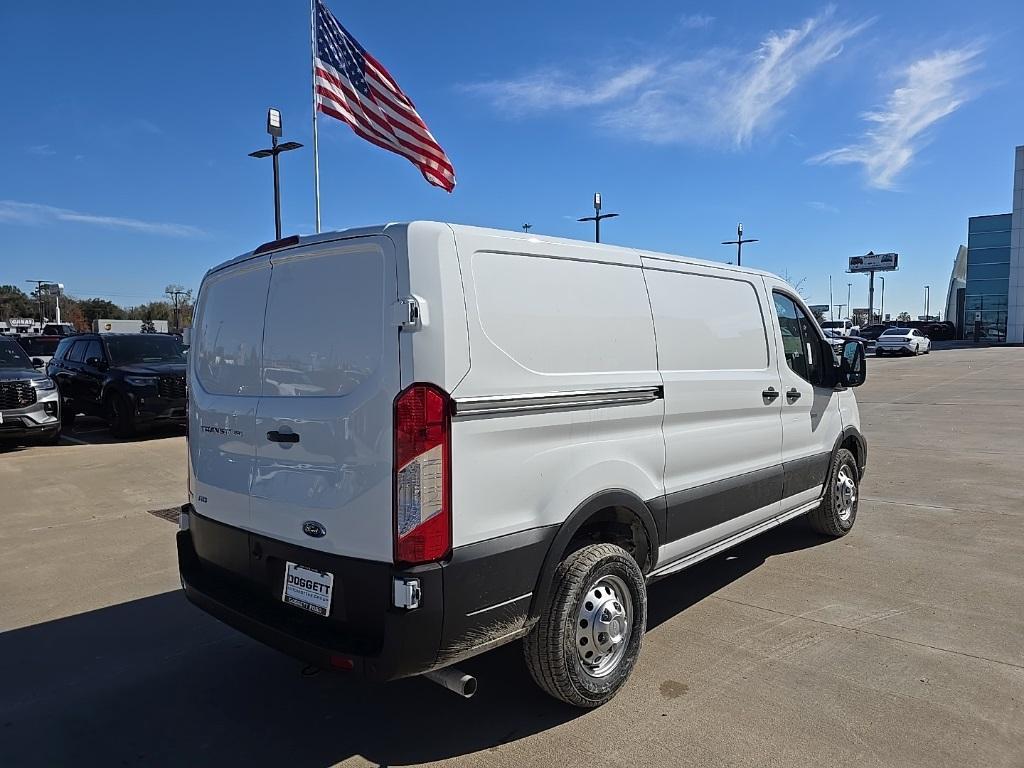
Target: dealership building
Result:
[987, 284]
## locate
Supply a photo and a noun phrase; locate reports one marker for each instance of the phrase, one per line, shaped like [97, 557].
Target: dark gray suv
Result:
[130, 379]
[29, 404]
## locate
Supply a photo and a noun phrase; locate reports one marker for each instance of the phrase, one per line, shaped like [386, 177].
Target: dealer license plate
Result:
[308, 588]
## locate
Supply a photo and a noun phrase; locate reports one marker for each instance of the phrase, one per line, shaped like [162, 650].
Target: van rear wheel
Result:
[838, 510]
[583, 648]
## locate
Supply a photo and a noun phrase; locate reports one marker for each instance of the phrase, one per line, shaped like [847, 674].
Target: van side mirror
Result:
[852, 365]
[37, 362]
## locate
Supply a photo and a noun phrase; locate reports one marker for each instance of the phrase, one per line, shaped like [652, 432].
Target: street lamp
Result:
[527, 228]
[927, 296]
[596, 218]
[849, 287]
[881, 309]
[738, 242]
[274, 128]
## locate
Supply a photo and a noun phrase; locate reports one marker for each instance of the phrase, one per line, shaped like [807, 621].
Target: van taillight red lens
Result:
[423, 529]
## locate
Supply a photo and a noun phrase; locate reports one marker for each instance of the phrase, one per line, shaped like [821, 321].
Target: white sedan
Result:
[902, 341]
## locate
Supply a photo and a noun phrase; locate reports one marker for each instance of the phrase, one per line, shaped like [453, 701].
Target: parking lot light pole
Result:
[274, 128]
[927, 296]
[596, 218]
[849, 312]
[738, 242]
[881, 307]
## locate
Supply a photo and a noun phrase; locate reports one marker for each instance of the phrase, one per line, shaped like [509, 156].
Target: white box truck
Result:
[129, 326]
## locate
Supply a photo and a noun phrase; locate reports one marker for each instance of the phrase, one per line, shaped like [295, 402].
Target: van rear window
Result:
[324, 327]
[229, 329]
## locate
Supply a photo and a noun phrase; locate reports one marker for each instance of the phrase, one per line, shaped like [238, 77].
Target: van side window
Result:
[706, 323]
[799, 339]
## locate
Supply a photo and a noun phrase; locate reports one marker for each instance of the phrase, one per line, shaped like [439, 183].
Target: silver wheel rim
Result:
[604, 625]
[845, 493]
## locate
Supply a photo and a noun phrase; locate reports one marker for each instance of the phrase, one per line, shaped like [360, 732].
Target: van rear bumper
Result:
[364, 634]
[479, 598]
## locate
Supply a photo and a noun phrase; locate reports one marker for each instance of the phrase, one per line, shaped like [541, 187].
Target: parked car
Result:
[39, 348]
[902, 341]
[842, 326]
[494, 436]
[837, 339]
[132, 379]
[873, 331]
[58, 329]
[29, 405]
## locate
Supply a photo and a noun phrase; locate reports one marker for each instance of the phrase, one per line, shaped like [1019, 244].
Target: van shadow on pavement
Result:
[156, 682]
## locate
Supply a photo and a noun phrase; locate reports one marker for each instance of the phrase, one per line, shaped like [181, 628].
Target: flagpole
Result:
[316, 141]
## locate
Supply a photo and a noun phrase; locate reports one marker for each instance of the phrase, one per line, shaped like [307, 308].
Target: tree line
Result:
[80, 312]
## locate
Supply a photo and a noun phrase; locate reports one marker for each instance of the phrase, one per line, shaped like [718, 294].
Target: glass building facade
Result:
[988, 275]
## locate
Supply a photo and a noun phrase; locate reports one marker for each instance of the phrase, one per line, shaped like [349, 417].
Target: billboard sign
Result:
[874, 262]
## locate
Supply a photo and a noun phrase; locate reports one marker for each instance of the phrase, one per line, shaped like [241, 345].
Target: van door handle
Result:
[770, 394]
[793, 394]
[282, 437]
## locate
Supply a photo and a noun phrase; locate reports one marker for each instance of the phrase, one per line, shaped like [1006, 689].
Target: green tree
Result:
[154, 310]
[15, 303]
[903, 317]
[93, 309]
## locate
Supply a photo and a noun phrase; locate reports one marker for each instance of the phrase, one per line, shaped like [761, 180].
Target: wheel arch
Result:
[616, 506]
[852, 439]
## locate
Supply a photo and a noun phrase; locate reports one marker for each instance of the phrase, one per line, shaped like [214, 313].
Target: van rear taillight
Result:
[423, 526]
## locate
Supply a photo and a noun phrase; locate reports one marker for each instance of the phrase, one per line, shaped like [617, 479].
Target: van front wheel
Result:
[588, 638]
[838, 510]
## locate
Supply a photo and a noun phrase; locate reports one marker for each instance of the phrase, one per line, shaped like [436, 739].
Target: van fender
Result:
[580, 516]
[862, 448]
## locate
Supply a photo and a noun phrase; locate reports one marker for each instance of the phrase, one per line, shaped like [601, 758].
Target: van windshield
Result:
[145, 348]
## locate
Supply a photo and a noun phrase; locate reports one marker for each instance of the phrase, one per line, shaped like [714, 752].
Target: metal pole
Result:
[881, 309]
[56, 302]
[739, 252]
[849, 313]
[927, 296]
[316, 139]
[871, 297]
[277, 192]
[831, 306]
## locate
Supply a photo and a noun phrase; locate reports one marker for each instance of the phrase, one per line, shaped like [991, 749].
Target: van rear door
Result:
[330, 374]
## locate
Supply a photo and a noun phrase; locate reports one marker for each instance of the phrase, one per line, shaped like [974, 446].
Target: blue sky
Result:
[828, 130]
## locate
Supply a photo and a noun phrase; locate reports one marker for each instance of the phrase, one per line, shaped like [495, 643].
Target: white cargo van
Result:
[412, 443]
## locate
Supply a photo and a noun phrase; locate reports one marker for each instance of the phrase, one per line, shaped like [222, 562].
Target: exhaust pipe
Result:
[454, 680]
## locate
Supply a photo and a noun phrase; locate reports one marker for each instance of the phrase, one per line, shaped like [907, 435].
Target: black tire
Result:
[832, 517]
[551, 649]
[120, 415]
[68, 414]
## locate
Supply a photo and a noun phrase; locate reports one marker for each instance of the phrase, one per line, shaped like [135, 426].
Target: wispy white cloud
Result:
[818, 205]
[720, 96]
[36, 214]
[554, 89]
[41, 150]
[930, 89]
[696, 21]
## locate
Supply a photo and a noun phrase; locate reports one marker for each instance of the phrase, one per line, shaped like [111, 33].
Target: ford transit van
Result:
[410, 444]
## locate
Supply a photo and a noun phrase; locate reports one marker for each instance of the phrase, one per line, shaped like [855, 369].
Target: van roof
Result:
[324, 237]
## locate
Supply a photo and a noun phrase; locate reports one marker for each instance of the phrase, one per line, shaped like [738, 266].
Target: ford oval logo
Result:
[314, 529]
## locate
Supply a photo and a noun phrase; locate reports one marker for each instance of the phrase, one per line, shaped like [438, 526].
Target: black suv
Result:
[130, 379]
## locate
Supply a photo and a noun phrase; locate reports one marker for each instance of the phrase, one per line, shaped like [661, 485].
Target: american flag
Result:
[355, 88]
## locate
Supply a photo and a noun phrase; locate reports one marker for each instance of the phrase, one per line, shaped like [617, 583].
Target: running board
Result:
[732, 541]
